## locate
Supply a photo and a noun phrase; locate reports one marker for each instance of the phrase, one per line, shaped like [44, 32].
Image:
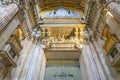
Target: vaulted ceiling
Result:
[53, 4]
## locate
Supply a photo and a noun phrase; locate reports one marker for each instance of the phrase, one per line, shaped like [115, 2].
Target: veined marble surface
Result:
[28, 64]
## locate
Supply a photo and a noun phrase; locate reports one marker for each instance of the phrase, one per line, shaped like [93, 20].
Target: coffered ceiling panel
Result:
[53, 4]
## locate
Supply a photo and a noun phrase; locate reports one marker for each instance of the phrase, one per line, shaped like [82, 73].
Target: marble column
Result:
[97, 19]
[37, 12]
[95, 24]
[29, 25]
[87, 9]
[7, 13]
[114, 8]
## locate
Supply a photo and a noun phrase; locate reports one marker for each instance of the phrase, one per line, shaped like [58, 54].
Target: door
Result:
[63, 70]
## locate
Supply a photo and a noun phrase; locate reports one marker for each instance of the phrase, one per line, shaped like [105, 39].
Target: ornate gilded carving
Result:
[15, 44]
[109, 43]
[106, 32]
[63, 33]
[76, 32]
[48, 32]
[43, 32]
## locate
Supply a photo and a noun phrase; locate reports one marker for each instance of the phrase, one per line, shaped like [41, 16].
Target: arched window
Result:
[62, 13]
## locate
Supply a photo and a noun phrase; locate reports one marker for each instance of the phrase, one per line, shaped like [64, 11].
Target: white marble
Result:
[29, 63]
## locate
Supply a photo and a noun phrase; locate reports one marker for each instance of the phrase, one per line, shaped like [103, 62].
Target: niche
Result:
[8, 56]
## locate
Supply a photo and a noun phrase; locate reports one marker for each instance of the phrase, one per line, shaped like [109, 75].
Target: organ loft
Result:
[59, 39]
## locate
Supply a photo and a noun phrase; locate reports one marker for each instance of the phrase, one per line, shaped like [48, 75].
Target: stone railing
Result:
[6, 14]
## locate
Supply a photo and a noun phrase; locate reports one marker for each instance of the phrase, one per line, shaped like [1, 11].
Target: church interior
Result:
[59, 39]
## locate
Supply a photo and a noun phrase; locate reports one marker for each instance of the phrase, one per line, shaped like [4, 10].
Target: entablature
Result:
[62, 20]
